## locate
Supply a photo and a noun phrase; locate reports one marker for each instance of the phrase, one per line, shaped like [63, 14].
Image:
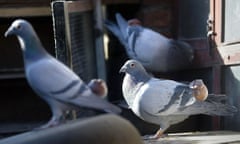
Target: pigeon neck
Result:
[142, 76]
[32, 48]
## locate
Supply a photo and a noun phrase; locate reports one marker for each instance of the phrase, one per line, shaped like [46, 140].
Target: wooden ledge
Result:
[214, 137]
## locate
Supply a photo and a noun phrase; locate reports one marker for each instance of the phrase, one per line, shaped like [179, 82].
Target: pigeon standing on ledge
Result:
[54, 82]
[166, 102]
[154, 51]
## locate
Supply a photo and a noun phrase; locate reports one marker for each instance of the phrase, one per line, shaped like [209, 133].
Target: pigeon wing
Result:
[53, 79]
[164, 97]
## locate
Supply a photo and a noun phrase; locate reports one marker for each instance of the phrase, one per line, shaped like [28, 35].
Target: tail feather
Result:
[217, 98]
[181, 50]
[115, 30]
[112, 27]
[213, 105]
[123, 24]
[218, 108]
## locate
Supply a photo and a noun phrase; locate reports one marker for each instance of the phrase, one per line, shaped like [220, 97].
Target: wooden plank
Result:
[230, 54]
[120, 1]
[25, 11]
[215, 137]
[12, 73]
[203, 57]
[24, 3]
[218, 22]
[225, 54]
[79, 6]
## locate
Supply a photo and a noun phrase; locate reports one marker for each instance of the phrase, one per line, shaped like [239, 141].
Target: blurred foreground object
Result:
[104, 129]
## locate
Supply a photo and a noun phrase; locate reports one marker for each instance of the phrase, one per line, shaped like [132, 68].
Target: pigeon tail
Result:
[123, 25]
[113, 28]
[218, 108]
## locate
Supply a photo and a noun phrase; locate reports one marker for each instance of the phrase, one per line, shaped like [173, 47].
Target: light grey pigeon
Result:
[54, 82]
[165, 102]
[156, 52]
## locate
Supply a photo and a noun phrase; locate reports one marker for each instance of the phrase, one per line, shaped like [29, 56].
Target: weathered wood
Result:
[230, 54]
[25, 11]
[120, 1]
[216, 137]
[104, 129]
[203, 55]
[79, 6]
[24, 3]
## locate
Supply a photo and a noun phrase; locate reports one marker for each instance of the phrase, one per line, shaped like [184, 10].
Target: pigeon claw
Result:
[159, 134]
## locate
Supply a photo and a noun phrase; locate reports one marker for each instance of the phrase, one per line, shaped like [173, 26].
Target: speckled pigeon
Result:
[54, 82]
[165, 102]
[156, 52]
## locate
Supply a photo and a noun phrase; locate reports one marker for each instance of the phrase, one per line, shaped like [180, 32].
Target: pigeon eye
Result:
[132, 65]
[18, 26]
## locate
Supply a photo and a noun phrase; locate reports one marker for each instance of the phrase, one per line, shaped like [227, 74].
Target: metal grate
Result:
[82, 44]
[74, 36]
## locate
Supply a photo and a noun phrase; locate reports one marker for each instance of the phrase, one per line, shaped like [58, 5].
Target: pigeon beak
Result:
[8, 32]
[123, 69]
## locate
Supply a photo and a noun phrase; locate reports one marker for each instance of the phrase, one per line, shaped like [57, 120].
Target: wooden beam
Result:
[230, 54]
[202, 55]
[24, 3]
[120, 1]
[78, 6]
[25, 11]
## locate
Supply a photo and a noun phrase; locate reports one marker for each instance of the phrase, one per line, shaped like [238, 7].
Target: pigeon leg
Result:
[158, 134]
[53, 122]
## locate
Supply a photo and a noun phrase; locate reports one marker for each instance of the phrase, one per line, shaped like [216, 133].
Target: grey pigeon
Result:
[165, 102]
[54, 82]
[156, 52]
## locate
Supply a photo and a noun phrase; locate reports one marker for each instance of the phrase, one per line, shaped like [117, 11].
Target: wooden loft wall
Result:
[13, 8]
[24, 3]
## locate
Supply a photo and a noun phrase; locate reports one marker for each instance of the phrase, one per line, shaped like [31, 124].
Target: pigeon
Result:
[165, 102]
[99, 87]
[53, 81]
[154, 51]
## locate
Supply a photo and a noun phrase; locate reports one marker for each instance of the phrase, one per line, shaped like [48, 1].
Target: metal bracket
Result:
[210, 36]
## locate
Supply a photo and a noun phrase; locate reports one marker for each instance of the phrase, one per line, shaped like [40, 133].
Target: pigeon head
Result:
[19, 27]
[24, 32]
[135, 69]
[134, 22]
[131, 66]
